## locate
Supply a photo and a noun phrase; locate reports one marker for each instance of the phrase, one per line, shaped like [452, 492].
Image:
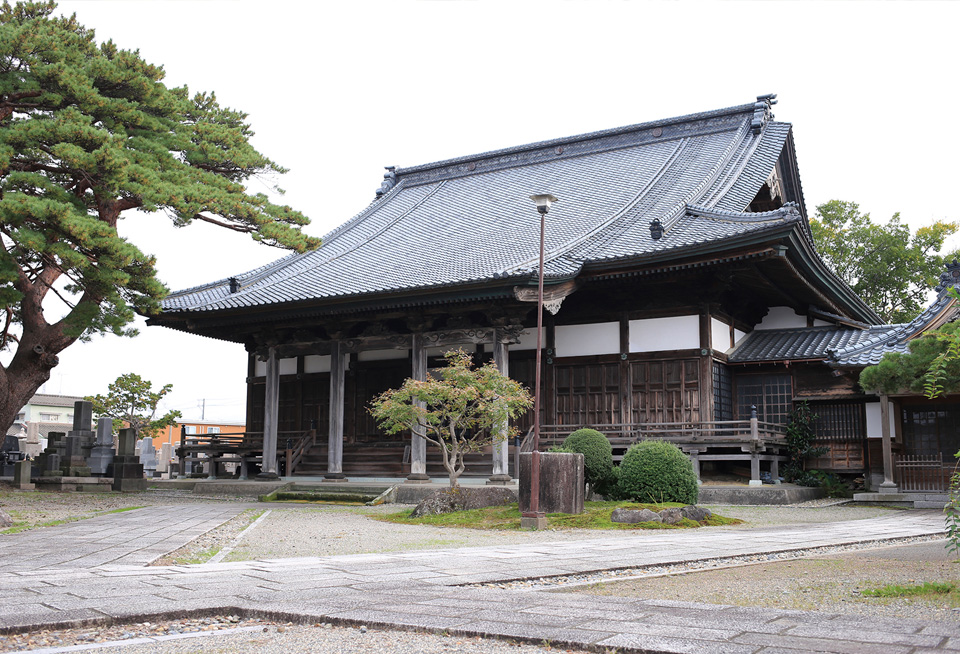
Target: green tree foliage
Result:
[597, 457]
[88, 134]
[931, 367]
[800, 444]
[459, 412]
[133, 401]
[890, 268]
[657, 472]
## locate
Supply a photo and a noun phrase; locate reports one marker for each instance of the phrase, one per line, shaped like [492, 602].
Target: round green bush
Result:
[656, 472]
[597, 455]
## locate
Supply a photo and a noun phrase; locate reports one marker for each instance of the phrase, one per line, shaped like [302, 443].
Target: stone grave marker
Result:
[102, 452]
[126, 469]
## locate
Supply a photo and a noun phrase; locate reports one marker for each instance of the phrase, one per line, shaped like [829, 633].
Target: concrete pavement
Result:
[424, 590]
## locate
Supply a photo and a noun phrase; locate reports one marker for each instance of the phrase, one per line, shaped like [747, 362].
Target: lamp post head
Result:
[543, 201]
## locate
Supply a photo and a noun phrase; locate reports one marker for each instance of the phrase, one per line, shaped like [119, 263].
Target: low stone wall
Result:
[768, 495]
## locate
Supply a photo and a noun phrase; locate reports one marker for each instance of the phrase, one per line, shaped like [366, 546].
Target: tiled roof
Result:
[849, 346]
[801, 343]
[868, 352]
[468, 220]
[41, 399]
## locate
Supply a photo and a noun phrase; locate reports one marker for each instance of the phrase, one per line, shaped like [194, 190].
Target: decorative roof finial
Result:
[949, 278]
[656, 229]
[762, 111]
[389, 181]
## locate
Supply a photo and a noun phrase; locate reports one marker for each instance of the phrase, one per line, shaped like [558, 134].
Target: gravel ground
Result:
[228, 635]
[831, 583]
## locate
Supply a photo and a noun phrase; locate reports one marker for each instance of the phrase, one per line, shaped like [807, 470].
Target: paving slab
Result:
[102, 577]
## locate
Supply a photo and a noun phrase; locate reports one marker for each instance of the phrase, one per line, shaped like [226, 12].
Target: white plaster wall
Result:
[781, 318]
[381, 355]
[875, 424]
[528, 340]
[719, 335]
[738, 335]
[288, 366]
[316, 363]
[656, 334]
[259, 368]
[584, 340]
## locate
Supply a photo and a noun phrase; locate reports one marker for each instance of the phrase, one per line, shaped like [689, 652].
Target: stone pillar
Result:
[888, 485]
[21, 475]
[418, 444]
[148, 456]
[501, 442]
[271, 413]
[163, 463]
[335, 434]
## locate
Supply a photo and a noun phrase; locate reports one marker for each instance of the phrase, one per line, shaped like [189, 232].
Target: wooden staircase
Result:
[386, 460]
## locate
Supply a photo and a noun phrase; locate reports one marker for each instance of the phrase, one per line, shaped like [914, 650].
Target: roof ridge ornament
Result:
[762, 111]
[389, 181]
[949, 278]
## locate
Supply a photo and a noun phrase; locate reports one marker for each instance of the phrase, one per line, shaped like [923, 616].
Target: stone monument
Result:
[163, 461]
[52, 454]
[148, 456]
[101, 454]
[126, 469]
[74, 464]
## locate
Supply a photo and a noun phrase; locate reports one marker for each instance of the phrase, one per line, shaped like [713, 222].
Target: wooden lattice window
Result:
[931, 429]
[772, 394]
[722, 392]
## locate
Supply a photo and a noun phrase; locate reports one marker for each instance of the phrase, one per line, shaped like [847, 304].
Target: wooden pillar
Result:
[418, 444]
[271, 414]
[501, 442]
[888, 485]
[706, 411]
[626, 386]
[335, 434]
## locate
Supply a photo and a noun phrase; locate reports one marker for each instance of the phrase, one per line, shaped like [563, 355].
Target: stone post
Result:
[101, 455]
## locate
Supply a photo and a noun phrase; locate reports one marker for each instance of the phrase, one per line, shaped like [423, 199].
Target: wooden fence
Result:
[921, 472]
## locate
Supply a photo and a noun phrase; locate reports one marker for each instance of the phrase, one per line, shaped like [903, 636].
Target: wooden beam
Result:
[271, 408]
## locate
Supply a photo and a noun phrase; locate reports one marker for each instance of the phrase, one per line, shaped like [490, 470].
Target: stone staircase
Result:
[386, 460]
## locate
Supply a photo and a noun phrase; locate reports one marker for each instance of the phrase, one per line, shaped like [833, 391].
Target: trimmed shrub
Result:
[656, 472]
[597, 456]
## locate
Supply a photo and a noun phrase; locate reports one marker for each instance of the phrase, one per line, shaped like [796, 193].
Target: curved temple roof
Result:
[468, 221]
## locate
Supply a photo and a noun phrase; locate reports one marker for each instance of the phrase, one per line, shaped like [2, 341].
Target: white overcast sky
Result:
[337, 90]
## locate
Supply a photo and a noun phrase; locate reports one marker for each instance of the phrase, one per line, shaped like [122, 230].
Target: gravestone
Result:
[82, 419]
[21, 475]
[52, 454]
[163, 461]
[101, 454]
[10, 454]
[34, 446]
[126, 469]
[148, 456]
[74, 464]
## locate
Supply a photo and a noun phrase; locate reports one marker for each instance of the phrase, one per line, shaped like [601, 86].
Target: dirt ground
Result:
[833, 584]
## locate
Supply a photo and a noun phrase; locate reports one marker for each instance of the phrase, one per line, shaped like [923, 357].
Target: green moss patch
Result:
[927, 588]
[596, 515]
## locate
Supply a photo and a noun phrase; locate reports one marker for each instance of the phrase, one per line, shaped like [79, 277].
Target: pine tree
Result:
[89, 134]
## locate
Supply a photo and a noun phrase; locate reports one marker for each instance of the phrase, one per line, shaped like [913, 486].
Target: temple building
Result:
[681, 283]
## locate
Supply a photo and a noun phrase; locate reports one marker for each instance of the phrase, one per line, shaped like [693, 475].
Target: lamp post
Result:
[534, 518]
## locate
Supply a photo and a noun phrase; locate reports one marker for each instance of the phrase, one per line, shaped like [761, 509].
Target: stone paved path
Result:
[421, 590]
[128, 538]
